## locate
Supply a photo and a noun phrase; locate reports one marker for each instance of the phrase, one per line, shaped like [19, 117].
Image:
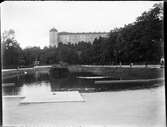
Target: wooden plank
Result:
[8, 84]
[128, 81]
[93, 77]
[13, 96]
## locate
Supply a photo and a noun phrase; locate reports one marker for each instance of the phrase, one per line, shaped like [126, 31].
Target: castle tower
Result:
[53, 37]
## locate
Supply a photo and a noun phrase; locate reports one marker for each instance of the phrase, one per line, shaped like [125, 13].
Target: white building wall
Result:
[75, 37]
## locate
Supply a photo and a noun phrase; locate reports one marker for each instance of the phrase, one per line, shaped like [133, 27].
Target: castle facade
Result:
[65, 37]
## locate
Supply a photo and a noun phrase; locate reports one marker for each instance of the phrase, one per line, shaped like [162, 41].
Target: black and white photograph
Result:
[83, 64]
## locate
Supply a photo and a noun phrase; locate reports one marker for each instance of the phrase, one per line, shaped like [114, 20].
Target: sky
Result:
[32, 20]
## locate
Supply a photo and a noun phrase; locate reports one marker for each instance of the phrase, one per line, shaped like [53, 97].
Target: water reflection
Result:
[70, 83]
[35, 89]
[44, 83]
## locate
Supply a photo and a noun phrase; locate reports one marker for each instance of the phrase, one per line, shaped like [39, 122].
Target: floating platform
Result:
[129, 81]
[7, 84]
[13, 96]
[64, 96]
[93, 77]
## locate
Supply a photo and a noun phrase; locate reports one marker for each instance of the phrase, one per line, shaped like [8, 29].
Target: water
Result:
[144, 106]
[37, 83]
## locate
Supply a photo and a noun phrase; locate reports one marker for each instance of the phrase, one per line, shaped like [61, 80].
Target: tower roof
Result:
[53, 30]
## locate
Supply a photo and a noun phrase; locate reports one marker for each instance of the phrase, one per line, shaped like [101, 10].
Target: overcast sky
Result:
[32, 20]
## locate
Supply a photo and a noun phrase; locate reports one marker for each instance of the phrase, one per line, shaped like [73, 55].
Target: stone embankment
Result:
[123, 72]
[12, 72]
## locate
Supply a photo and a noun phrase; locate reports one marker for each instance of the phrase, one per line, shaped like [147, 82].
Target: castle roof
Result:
[53, 30]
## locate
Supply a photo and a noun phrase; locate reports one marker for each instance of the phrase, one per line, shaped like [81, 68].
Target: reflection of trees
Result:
[14, 89]
[34, 77]
[20, 80]
[69, 82]
[59, 83]
[27, 78]
[11, 90]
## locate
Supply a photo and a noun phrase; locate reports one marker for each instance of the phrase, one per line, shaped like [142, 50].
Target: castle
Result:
[65, 37]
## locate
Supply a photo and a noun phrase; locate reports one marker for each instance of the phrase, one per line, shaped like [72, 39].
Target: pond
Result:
[37, 82]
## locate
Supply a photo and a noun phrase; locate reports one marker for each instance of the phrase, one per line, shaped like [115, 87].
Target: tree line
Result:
[140, 42]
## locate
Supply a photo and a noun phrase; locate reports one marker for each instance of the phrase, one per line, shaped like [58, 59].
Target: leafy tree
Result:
[11, 51]
[31, 54]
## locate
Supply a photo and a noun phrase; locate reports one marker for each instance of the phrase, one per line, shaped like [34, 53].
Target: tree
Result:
[11, 51]
[140, 41]
[31, 54]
